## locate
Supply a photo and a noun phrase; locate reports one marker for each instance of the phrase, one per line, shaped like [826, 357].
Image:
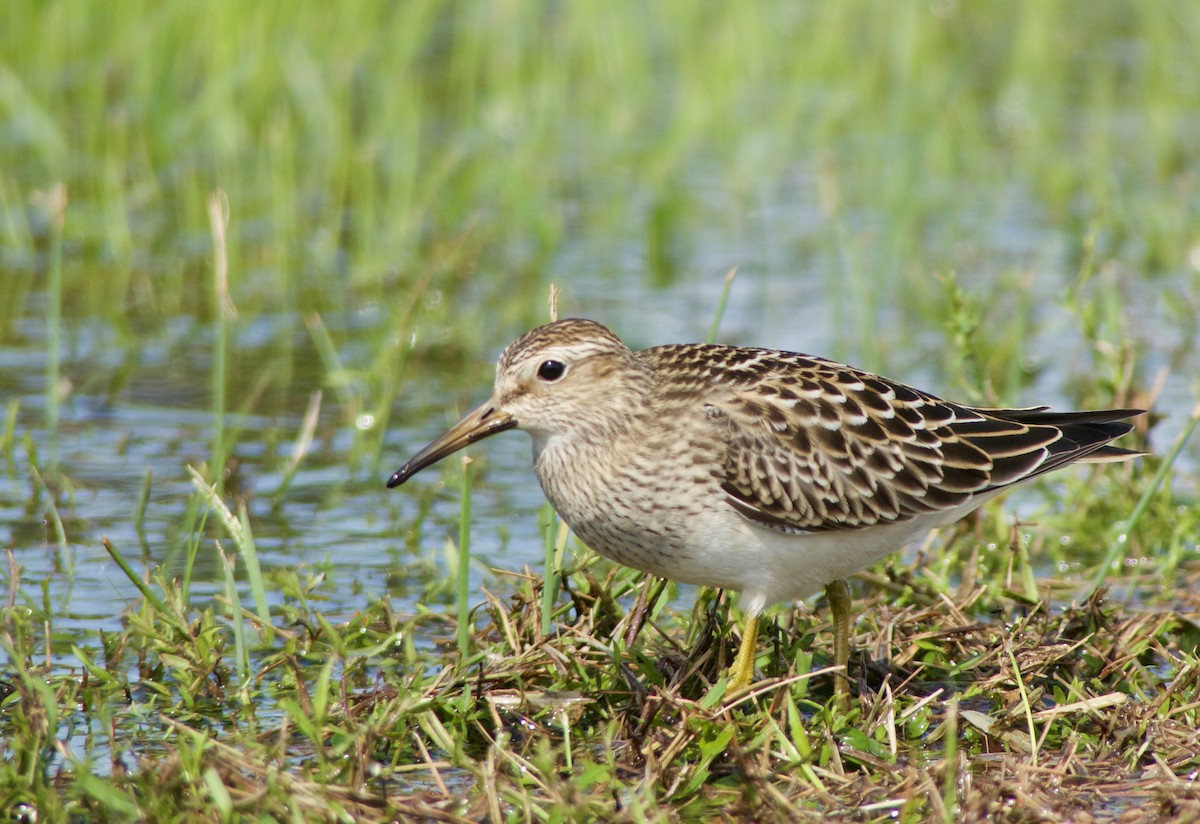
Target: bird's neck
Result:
[571, 464]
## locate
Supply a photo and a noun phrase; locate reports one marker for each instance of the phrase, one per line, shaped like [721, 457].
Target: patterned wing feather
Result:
[814, 445]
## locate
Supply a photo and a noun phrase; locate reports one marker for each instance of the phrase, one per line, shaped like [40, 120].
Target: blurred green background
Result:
[388, 153]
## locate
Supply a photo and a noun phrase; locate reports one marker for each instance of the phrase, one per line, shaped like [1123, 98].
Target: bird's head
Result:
[559, 380]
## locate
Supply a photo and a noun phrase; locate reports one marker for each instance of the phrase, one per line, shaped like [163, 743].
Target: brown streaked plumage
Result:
[771, 473]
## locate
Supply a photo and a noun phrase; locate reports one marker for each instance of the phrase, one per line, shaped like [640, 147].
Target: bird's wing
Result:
[814, 445]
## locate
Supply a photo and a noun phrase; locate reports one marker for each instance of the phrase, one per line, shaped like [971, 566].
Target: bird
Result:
[771, 473]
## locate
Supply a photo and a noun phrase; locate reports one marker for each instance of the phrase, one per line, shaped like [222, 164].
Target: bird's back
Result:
[813, 445]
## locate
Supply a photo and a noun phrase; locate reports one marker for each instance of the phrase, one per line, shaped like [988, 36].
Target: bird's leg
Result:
[838, 593]
[742, 671]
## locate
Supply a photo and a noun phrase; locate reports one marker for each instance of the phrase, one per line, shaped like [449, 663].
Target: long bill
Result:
[481, 422]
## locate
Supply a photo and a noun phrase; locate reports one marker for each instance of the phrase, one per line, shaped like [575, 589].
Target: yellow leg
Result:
[743, 666]
[838, 593]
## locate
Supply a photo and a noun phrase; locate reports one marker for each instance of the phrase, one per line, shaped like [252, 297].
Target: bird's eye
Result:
[551, 370]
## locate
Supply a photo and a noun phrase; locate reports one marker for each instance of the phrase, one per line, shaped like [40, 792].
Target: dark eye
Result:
[551, 370]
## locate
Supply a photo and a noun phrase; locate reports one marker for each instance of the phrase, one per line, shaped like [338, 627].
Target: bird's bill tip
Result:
[481, 422]
[400, 476]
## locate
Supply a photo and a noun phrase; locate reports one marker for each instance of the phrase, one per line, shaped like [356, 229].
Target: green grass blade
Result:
[549, 570]
[137, 581]
[726, 287]
[249, 553]
[463, 600]
[139, 515]
[1117, 545]
[228, 564]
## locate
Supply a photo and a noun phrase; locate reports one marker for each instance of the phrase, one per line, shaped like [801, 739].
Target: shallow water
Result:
[135, 393]
[336, 510]
[139, 404]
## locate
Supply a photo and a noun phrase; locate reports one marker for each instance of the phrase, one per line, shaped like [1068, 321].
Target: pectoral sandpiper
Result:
[770, 473]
